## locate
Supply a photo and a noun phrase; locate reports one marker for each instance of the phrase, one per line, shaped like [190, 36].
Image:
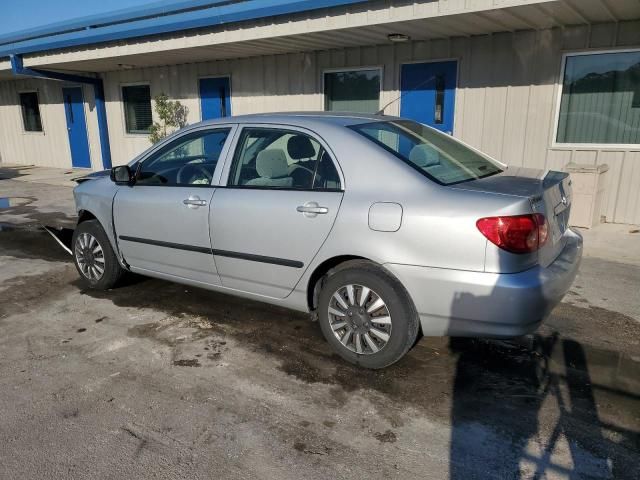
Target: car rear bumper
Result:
[463, 303]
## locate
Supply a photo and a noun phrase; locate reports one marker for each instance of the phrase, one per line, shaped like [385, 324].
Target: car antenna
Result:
[422, 84]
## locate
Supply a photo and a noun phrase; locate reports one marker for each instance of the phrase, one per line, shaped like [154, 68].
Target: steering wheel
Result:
[192, 171]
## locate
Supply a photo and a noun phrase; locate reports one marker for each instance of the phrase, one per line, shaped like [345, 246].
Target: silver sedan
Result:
[384, 229]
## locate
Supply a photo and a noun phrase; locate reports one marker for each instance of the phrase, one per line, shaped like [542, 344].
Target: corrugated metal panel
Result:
[505, 104]
[506, 100]
[51, 147]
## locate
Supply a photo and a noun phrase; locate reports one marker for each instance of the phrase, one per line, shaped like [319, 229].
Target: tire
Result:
[367, 320]
[87, 237]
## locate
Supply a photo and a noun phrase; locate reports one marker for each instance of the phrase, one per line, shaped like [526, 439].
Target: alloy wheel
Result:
[360, 319]
[90, 256]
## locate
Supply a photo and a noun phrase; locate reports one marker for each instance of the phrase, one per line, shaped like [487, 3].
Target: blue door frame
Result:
[428, 93]
[215, 97]
[76, 127]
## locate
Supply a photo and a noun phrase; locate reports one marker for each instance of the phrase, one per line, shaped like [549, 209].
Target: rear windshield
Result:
[434, 154]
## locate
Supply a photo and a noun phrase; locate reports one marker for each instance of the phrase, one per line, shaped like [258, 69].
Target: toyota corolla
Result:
[382, 228]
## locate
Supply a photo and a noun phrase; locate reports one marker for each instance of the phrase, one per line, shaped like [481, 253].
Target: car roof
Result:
[303, 119]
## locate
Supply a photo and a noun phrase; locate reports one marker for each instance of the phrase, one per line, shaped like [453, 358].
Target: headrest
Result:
[272, 163]
[300, 146]
[424, 156]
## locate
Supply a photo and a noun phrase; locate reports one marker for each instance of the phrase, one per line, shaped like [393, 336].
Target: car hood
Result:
[92, 176]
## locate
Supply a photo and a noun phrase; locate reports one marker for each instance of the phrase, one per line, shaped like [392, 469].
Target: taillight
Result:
[516, 234]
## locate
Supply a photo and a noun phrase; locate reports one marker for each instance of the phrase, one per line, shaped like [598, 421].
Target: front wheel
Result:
[367, 316]
[94, 258]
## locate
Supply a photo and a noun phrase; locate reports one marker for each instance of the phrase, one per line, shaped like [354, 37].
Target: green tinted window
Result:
[353, 91]
[601, 99]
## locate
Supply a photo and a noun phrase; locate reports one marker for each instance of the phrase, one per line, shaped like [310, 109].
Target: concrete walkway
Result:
[613, 242]
[32, 195]
[62, 177]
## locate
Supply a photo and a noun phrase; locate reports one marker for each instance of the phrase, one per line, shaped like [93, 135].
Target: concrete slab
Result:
[27, 202]
[614, 242]
[46, 175]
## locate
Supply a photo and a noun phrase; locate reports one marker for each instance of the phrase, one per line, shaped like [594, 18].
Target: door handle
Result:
[194, 201]
[311, 209]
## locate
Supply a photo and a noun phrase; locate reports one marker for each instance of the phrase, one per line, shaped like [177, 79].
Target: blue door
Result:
[215, 98]
[428, 93]
[76, 127]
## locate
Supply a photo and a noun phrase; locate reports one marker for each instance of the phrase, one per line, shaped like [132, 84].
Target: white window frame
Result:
[123, 114]
[380, 68]
[27, 132]
[560, 87]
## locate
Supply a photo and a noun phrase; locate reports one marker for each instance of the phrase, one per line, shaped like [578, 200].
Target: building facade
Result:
[538, 84]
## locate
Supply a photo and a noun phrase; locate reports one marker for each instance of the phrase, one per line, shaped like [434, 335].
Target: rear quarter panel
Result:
[438, 227]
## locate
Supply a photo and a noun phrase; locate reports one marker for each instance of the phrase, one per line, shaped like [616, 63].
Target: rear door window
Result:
[274, 158]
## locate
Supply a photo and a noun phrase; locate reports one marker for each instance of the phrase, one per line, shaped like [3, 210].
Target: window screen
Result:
[601, 99]
[354, 91]
[137, 108]
[30, 112]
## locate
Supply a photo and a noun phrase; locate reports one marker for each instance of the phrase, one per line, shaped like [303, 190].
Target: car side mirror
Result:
[122, 175]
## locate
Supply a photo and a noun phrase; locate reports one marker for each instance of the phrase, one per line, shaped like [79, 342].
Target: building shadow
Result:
[520, 407]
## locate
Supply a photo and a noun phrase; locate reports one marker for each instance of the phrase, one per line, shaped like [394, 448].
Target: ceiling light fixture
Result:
[398, 37]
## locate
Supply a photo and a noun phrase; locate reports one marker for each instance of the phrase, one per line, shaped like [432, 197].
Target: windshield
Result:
[434, 154]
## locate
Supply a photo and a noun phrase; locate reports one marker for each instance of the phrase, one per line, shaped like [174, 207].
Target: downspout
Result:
[18, 68]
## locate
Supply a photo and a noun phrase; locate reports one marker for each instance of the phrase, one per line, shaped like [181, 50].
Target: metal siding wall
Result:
[50, 148]
[505, 102]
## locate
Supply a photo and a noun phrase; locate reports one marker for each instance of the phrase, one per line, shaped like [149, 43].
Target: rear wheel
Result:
[94, 258]
[366, 315]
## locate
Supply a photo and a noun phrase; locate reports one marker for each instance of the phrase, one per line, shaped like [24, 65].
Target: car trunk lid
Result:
[549, 192]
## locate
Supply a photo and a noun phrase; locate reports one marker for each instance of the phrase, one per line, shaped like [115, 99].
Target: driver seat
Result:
[301, 151]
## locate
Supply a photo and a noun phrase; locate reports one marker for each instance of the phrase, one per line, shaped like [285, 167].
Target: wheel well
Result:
[85, 215]
[321, 271]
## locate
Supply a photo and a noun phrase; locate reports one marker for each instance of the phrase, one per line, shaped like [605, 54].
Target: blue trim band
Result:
[154, 20]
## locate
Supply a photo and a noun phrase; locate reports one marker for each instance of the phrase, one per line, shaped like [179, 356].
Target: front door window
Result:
[187, 161]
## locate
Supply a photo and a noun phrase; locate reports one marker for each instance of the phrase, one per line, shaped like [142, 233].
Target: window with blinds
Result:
[352, 91]
[601, 99]
[30, 112]
[137, 108]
